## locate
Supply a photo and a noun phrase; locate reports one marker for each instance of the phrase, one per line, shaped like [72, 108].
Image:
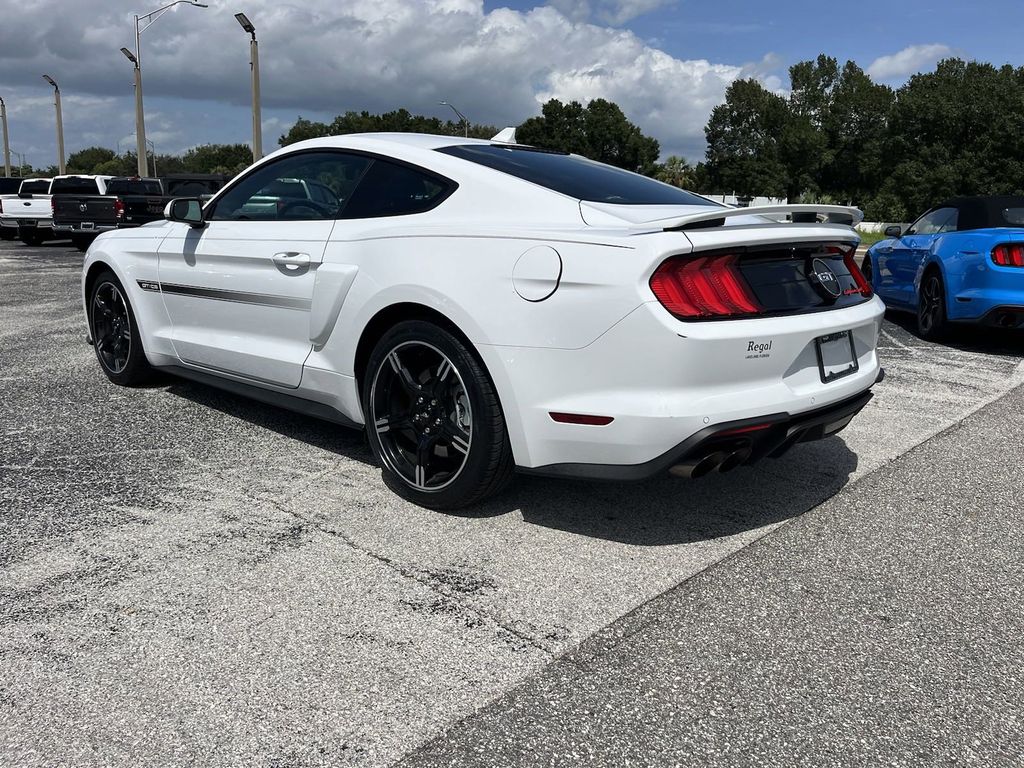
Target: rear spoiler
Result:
[834, 214]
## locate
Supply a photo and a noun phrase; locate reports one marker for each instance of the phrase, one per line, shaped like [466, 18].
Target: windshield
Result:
[75, 185]
[575, 176]
[37, 187]
[134, 187]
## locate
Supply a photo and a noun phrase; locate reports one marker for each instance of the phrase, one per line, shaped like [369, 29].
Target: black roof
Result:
[986, 212]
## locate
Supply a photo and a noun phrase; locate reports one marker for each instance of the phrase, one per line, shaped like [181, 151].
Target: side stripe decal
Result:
[216, 294]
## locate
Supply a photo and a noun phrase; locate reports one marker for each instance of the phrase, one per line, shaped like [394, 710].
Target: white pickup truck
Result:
[26, 202]
[32, 213]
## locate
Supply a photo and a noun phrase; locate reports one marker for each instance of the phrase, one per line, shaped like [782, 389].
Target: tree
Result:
[599, 131]
[677, 172]
[87, 160]
[218, 158]
[398, 121]
[744, 154]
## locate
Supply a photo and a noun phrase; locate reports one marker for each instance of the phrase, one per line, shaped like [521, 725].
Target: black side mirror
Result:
[188, 210]
[893, 230]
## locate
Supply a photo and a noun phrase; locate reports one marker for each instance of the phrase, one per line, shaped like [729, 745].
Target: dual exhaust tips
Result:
[722, 461]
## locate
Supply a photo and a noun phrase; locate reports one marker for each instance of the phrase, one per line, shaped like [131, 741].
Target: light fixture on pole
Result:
[60, 125]
[254, 66]
[462, 117]
[7, 146]
[146, 20]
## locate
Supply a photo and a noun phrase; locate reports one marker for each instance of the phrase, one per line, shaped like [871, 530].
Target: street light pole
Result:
[61, 170]
[462, 117]
[254, 66]
[7, 145]
[147, 20]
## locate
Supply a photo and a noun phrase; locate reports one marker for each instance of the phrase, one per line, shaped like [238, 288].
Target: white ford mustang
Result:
[483, 307]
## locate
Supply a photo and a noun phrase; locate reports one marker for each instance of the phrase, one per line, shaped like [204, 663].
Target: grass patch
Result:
[867, 239]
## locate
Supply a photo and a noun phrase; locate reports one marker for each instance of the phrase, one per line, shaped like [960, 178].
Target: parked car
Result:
[26, 187]
[959, 262]
[126, 202]
[201, 185]
[480, 307]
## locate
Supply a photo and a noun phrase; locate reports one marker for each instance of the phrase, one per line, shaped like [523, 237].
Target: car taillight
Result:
[702, 287]
[119, 209]
[1008, 255]
[863, 286]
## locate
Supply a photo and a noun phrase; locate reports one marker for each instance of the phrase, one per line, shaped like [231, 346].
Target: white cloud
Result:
[912, 59]
[321, 58]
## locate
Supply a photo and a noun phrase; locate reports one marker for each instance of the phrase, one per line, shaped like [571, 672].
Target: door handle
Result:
[291, 260]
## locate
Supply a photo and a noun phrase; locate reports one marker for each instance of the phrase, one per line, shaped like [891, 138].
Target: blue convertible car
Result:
[962, 261]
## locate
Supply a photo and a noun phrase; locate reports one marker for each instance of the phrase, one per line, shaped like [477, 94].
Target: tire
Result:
[865, 269]
[8, 233]
[433, 419]
[32, 239]
[82, 242]
[112, 325]
[931, 307]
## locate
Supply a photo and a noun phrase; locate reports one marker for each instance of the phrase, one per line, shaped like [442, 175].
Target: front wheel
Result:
[433, 419]
[115, 333]
[931, 308]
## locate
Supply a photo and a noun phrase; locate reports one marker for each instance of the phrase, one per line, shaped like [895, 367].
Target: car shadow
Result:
[656, 512]
[966, 337]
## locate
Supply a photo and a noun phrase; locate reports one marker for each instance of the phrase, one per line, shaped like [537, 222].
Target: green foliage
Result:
[675, 171]
[746, 148]
[87, 160]
[217, 158]
[398, 121]
[599, 131]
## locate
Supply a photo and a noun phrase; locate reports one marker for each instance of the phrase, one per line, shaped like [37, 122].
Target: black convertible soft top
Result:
[985, 212]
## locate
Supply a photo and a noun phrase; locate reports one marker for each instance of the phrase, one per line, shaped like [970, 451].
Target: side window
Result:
[390, 189]
[935, 222]
[306, 186]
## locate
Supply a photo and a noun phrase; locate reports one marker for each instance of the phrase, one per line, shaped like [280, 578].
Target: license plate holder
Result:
[26, 222]
[88, 225]
[837, 357]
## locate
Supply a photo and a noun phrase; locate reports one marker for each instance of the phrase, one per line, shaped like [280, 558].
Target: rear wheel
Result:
[8, 233]
[433, 419]
[931, 308]
[31, 238]
[82, 242]
[115, 334]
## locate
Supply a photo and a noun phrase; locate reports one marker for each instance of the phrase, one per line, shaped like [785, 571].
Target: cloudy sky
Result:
[666, 62]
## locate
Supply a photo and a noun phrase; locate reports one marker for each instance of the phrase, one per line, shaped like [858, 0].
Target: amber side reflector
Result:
[581, 418]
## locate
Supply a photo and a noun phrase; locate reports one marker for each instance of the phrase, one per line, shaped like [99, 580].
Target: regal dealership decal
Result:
[759, 349]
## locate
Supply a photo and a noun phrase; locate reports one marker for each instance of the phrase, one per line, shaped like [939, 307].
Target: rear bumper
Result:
[662, 381]
[757, 438]
[78, 229]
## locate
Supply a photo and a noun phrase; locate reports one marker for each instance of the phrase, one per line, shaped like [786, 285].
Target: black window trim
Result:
[449, 185]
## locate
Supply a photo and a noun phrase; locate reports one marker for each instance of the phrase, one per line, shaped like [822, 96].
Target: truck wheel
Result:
[82, 242]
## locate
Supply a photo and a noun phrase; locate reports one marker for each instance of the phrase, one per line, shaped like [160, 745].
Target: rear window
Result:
[75, 185]
[134, 187]
[389, 189]
[575, 176]
[37, 187]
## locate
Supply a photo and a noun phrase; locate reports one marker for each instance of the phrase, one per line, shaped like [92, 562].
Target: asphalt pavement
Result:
[191, 578]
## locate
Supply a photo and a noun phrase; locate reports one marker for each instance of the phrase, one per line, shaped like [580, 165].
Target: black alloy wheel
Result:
[931, 308]
[865, 268]
[115, 336]
[433, 419]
